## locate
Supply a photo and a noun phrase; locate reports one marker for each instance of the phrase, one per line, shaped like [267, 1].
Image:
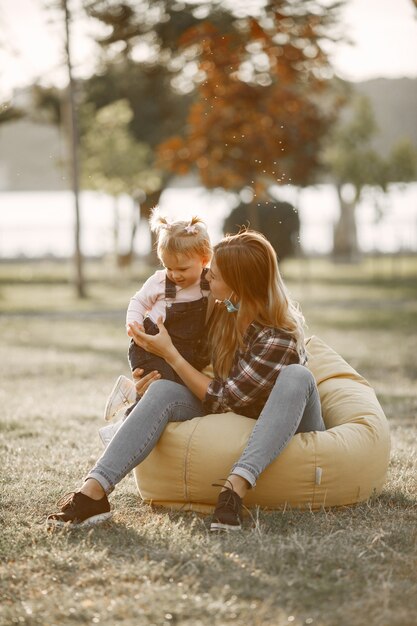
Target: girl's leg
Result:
[293, 406]
[165, 401]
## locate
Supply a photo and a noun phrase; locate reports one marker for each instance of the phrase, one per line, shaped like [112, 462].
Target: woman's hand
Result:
[162, 346]
[159, 344]
[142, 382]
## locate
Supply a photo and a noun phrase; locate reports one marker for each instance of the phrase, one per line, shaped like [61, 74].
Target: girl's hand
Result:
[142, 382]
[159, 344]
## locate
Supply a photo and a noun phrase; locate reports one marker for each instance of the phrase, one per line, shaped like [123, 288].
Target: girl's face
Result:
[219, 289]
[183, 270]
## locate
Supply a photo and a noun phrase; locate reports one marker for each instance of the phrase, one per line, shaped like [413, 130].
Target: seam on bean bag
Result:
[187, 460]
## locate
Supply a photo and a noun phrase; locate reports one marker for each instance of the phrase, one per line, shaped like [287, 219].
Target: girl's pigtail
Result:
[192, 228]
[158, 221]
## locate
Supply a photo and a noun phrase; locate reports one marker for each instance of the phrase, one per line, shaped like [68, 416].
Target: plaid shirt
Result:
[254, 371]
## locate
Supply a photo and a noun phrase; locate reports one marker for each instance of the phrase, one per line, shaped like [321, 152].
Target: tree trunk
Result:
[345, 240]
[123, 259]
[73, 123]
[116, 228]
[134, 225]
[126, 260]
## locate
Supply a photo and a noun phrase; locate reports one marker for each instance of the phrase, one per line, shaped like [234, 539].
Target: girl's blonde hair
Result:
[181, 237]
[248, 265]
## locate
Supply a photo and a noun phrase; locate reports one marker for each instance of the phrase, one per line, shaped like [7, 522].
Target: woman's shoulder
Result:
[274, 339]
[262, 332]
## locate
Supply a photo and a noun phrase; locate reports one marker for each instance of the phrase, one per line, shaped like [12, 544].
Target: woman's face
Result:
[219, 289]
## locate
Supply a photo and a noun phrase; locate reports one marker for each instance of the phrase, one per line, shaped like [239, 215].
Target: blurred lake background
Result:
[38, 224]
[195, 141]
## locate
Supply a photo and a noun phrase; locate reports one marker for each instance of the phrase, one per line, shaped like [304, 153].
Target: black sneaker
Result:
[78, 510]
[227, 513]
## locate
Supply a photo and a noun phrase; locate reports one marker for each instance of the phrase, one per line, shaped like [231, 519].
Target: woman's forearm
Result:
[196, 382]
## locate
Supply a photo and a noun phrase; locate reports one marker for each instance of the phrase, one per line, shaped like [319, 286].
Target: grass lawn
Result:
[59, 357]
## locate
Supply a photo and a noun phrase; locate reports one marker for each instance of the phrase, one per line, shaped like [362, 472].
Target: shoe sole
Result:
[109, 415]
[104, 441]
[224, 527]
[104, 438]
[91, 521]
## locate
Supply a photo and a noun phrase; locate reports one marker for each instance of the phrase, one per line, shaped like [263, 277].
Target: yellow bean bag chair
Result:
[343, 465]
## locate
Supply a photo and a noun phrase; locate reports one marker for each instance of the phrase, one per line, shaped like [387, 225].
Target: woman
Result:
[258, 356]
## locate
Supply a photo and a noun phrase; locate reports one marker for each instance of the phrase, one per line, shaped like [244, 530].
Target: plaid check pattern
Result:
[254, 372]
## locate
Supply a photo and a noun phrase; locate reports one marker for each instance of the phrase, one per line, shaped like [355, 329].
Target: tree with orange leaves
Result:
[262, 107]
[257, 77]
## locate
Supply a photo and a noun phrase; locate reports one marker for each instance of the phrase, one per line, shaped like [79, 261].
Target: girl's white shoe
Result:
[122, 395]
[107, 432]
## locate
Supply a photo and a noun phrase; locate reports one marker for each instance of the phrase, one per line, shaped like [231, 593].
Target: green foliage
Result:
[158, 111]
[349, 154]
[132, 22]
[351, 158]
[8, 113]
[403, 162]
[112, 160]
[48, 103]
[394, 101]
[160, 108]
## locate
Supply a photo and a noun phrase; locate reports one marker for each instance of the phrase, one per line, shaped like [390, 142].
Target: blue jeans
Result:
[293, 406]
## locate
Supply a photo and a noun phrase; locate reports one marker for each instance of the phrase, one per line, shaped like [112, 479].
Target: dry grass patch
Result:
[348, 567]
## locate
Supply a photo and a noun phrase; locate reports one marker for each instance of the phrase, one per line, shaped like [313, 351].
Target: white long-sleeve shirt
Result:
[150, 299]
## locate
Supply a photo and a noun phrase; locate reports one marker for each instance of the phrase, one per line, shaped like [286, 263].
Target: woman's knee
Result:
[163, 387]
[297, 373]
[162, 384]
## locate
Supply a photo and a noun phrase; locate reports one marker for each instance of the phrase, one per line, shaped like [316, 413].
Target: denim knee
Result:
[298, 372]
[158, 387]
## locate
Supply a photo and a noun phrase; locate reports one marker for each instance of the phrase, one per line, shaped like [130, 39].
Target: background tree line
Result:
[244, 101]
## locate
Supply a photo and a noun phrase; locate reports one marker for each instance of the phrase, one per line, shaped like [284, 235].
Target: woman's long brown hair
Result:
[248, 265]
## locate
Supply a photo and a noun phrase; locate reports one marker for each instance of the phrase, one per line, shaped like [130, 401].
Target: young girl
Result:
[179, 295]
[258, 356]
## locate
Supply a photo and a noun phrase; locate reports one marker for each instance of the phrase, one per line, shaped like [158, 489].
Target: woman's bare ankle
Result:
[239, 484]
[93, 489]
